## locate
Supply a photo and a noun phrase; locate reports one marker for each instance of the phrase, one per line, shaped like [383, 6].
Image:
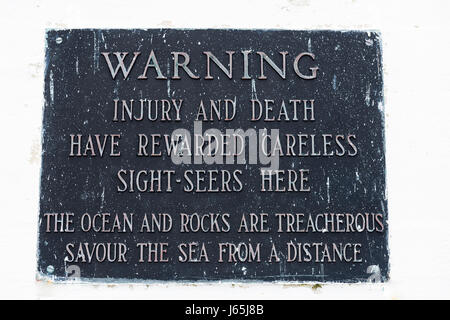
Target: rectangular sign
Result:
[213, 155]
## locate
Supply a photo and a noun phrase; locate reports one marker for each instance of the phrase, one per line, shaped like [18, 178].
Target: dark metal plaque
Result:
[213, 155]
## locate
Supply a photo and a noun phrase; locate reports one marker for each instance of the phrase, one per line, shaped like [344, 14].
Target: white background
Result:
[416, 58]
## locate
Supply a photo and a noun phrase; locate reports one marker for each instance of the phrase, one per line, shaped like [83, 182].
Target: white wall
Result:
[417, 94]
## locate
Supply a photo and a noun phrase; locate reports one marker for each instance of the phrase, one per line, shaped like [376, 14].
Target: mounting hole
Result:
[50, 269]
[59, 40]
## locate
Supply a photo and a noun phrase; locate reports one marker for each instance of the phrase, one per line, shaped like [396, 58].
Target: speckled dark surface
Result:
[79, 95]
